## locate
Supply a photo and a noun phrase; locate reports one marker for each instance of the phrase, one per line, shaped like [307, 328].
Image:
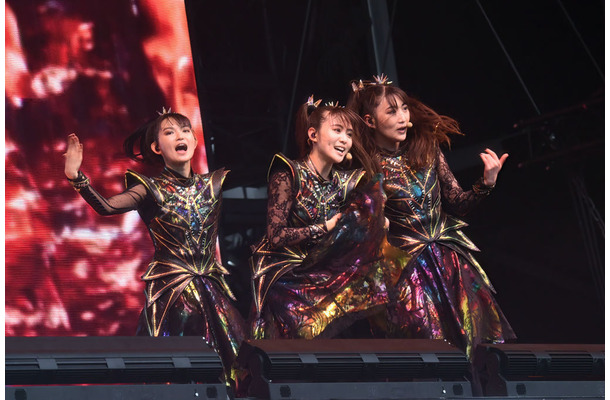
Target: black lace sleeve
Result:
[118, 204]
[281, 198]
[455, 200]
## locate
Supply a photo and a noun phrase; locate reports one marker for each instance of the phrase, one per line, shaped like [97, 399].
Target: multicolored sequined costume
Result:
[443, 293]
[186, 292]
[304, 286]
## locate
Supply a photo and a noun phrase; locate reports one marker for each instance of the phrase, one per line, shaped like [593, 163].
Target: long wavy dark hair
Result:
[145, 135]
[429, 130]
[309, 116]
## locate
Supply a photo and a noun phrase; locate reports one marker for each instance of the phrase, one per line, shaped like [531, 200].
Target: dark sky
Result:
[449, 55]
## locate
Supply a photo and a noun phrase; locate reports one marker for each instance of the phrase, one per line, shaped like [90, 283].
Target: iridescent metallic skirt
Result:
[202, 309]
[441, 296]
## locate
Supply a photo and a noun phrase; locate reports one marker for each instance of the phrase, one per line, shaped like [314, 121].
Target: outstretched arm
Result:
[118, 204]
[279, 204]
[455, 199]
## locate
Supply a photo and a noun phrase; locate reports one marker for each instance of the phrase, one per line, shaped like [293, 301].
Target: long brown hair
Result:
[309, 116]
[146, 135]
[423, 139]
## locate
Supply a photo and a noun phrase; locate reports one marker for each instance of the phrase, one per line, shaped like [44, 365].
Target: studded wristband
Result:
[481, 188]
[80, 182]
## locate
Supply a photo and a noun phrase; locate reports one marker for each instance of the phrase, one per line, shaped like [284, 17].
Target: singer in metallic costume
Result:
[317, 270]
[443, 292]
[186, 291]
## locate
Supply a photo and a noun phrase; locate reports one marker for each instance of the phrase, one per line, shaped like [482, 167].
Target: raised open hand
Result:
[73, 156]
[493, 165]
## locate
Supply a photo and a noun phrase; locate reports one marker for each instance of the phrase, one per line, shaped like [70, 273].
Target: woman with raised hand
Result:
[186, 291]
[443, 293]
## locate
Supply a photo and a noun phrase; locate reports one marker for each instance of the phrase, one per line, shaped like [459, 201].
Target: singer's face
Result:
[333, 140]
[390, 122]
[176, 144]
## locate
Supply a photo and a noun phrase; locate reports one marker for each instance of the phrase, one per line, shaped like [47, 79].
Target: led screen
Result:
[99, 69]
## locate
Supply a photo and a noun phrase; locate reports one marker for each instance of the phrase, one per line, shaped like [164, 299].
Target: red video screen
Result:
[98, 69]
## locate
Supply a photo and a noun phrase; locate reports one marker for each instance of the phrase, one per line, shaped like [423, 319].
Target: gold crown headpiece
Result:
[377, 80]
[312, 103]
[381, 79]
[164, 111]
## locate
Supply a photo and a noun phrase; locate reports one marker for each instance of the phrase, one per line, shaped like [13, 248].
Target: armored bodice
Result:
[182, 225]
[316, 199]
[414, 206]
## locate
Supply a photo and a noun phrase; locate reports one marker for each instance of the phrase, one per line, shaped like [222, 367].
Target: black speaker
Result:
[115, 392]
[106, 367]
[573, 370]
[354, 369]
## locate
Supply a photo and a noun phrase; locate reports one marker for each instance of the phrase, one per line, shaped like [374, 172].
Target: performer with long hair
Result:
[316, 271]
[443, 292]
[186, 291]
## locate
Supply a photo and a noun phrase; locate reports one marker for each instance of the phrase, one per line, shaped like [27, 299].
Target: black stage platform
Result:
[147, 368]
